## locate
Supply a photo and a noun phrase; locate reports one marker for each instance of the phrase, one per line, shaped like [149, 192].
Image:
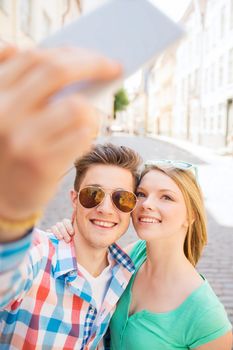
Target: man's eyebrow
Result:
[104, 187]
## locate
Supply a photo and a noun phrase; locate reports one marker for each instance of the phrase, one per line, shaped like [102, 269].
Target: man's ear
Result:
[74, 198]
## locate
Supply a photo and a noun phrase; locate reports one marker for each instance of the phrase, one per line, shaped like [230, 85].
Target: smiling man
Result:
[62, 296]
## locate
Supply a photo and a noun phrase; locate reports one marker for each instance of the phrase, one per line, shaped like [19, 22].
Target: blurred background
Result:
[186, 93]
[178, 107]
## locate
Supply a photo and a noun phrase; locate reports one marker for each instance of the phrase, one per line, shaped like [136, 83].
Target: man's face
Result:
[104, 224]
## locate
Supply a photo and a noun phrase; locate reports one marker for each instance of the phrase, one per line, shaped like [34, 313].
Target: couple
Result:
[56, 295]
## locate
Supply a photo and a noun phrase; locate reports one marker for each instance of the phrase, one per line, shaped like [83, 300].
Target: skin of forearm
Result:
[14, 217]
[11, 236]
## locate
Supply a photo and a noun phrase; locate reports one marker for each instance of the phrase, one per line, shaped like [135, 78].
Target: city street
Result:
[215, 176]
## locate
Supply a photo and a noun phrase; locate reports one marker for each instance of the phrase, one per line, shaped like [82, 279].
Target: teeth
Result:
[149, 220]
[103, 223]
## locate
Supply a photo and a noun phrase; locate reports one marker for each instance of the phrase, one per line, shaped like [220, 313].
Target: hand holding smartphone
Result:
[132, 32]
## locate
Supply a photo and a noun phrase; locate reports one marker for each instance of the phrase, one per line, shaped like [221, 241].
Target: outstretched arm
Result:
[39, 137]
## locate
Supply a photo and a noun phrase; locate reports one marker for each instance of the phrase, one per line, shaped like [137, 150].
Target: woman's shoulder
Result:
[207, 315]
[205, 296]
[203, 299]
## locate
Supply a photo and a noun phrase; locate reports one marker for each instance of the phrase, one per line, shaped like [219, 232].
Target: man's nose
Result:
[106, 206]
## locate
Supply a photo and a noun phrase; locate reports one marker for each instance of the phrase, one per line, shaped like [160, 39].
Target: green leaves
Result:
[121, 101]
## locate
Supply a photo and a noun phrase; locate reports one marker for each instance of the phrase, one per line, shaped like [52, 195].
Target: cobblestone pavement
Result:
[216, 263]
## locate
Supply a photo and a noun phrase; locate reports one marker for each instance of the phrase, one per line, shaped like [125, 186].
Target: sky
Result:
[172, 8]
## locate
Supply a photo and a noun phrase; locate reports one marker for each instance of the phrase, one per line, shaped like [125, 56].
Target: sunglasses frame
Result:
[106, 193]
[175, 164]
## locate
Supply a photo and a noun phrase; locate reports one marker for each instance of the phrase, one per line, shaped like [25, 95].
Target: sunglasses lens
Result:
[183, 165]
[125, 201]
[90, 197]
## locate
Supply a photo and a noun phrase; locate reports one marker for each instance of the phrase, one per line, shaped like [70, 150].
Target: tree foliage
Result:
[121, 101]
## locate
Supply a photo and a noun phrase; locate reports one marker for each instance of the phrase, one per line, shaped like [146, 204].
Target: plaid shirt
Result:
[46, 303]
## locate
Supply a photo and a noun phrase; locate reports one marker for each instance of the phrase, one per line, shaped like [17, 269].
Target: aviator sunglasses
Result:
[92, 196]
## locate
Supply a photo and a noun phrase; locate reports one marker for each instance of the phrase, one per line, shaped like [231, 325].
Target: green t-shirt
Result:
[200, 319]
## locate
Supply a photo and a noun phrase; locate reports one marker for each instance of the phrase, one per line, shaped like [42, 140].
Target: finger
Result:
[63, 232]
[56, 232]
[17, 65]
[68, 225]
[80, 140]
[48, 129]
[67, 114]
[6, 52]
[71, 66]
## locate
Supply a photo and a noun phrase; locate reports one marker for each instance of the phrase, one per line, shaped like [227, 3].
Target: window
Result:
[203, 124]
[220, 71]
[198, 44]
[222, 22]
[198, 80]
[231, 15]
[46, 23]
[214, 31]
[230, 66]
[211, 120]
[220, 116]
[5, 6]
[207, 40]
[212, 77]
[206, 80]
[189, 85]
[25, 16]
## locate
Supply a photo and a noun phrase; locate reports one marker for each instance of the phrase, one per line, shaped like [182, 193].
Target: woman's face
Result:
[161, 210]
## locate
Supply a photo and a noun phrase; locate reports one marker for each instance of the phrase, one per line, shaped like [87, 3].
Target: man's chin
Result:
[102, 244]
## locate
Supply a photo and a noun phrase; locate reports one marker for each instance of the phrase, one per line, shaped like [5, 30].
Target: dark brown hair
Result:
[108, 154]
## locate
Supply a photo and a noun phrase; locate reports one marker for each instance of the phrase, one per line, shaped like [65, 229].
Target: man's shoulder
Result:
[62, 254]
[43, 243]
[44, 249]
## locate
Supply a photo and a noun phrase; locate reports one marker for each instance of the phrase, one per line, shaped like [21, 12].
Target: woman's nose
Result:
[150, 203]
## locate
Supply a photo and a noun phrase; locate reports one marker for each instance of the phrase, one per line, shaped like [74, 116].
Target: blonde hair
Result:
[196, 237]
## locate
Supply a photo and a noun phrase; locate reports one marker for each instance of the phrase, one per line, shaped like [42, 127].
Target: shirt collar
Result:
[66, 259]
[120, 257]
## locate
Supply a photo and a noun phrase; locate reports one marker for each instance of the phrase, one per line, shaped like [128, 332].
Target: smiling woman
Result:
[179, 309]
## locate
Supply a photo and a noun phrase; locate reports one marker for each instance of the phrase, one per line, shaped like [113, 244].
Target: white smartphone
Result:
[132, 32]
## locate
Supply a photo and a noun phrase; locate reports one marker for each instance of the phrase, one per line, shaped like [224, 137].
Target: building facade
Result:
[160, 93]
[204, 75]
[27, 22]
[191, 84]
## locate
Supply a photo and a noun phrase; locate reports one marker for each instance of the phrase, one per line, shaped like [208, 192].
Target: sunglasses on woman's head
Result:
[178, 164]
[92, 196]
